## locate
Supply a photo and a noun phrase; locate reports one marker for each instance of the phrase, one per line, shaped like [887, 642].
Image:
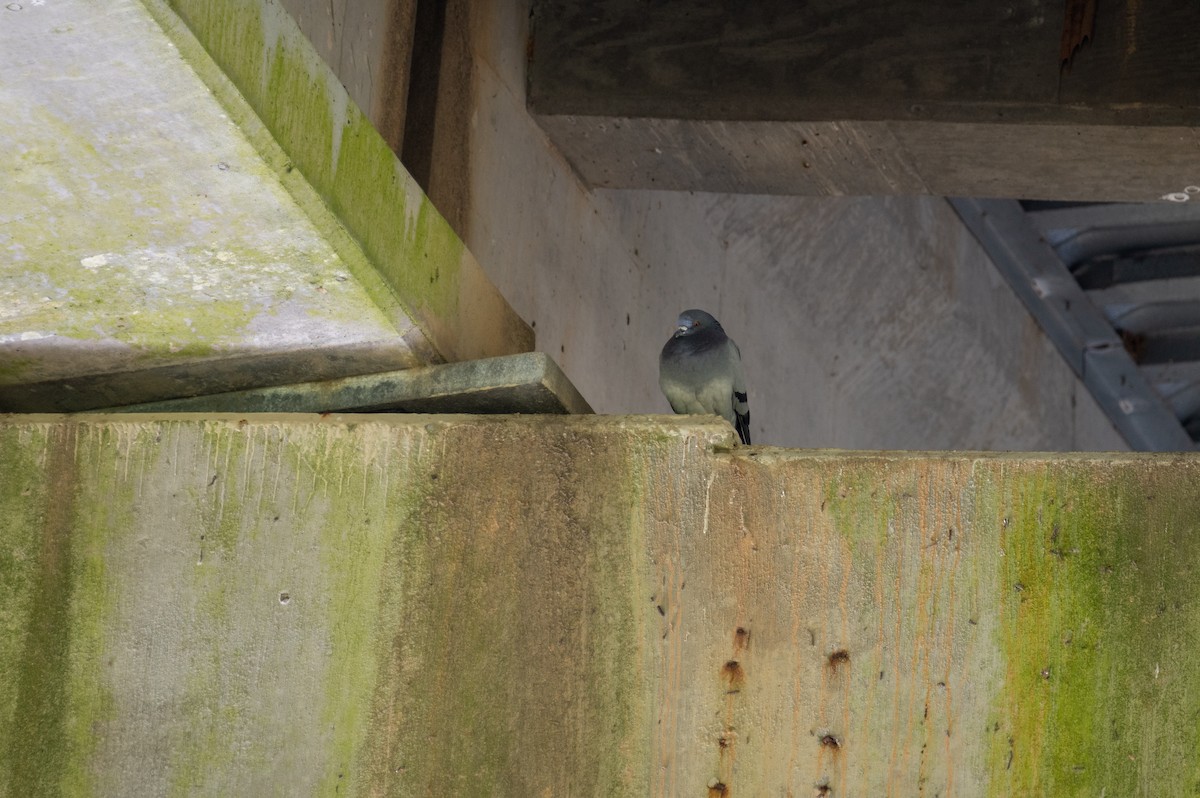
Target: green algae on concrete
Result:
[1101, 630]
[526, 638]
[526, 383]
[303, 622]
[440, 605]
[35, 583]
[332, 144]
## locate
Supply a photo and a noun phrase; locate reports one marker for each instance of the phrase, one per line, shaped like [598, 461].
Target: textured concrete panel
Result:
[840, 157]
[384, 605]
[369, 45]
[863, 59]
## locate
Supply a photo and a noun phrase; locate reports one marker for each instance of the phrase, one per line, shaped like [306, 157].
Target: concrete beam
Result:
[528, 383]
[255, 605]
[848, 97]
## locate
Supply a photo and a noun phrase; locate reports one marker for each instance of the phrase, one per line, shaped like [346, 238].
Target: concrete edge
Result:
[524, 383]
[714, 429]
[562, 387]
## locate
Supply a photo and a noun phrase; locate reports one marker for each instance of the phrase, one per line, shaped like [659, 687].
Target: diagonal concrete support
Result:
[175, 223]
[277, 605]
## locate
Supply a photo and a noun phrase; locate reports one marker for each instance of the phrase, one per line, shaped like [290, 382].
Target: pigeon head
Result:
[694, 321]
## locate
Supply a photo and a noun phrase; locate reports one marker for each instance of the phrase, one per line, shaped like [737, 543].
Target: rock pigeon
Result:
[700, 371]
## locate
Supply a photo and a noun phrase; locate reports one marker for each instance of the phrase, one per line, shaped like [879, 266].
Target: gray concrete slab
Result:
[526, 383]
[159, 239]
[851, 97]
[142, 231]
[268, 68]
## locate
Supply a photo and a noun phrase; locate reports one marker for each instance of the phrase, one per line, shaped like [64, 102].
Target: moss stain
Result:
[23, 499]
[354, 544]
[37, 754]
[460, 648]
[1096, 575]
[62, 697]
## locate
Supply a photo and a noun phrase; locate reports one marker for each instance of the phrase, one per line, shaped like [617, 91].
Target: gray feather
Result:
[700, 371]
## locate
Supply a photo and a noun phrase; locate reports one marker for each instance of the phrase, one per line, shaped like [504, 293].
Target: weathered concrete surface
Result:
[143, 233]
[879, 97]
[528, 383]
[293, 605]
[328, 139]
[158, 242]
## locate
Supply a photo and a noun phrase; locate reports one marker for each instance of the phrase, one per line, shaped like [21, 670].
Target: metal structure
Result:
[1117, 288]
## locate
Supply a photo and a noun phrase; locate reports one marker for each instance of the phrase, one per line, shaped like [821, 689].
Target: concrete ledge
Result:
[456, 605]
[227, 371]
[529, 383]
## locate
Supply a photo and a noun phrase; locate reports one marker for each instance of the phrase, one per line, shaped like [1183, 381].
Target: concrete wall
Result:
[875, 323]
[441, 605]
[864, 322]
[345, 33]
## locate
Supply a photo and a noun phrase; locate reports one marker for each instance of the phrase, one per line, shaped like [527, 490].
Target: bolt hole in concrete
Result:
[284, 598]
[734, 675]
